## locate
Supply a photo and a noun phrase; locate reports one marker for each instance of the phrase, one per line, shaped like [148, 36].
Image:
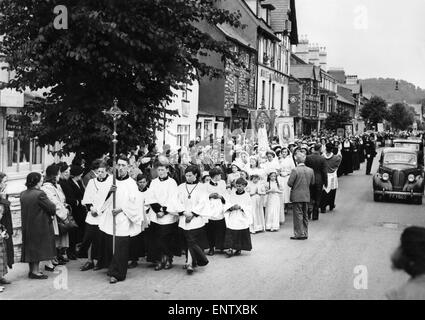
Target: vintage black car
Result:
[400, 176]
[412, 143]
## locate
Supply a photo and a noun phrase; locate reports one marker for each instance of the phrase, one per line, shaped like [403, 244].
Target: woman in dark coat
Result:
[6, 222]
[38, 239]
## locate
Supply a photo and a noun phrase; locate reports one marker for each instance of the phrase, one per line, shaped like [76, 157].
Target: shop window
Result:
[22, 152]
[207, 128]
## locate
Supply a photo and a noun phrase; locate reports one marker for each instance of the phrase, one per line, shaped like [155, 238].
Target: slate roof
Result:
[305, 71]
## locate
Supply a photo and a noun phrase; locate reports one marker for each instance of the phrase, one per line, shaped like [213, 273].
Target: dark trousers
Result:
[316, 196]
[137, 247]
[91, 238]
[328, 199]
[216, 230]
[300, 212]
[369, 162]
[118, 261]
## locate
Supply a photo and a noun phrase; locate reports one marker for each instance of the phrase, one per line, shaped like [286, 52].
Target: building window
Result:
[183, 132]
[207, 128]
[282, 92]
[263, 92]
[322, 103]
[22, 152]
[185, 92]
[236, 90]
[273, 93]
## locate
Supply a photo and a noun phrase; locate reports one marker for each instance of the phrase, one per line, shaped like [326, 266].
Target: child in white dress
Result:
[274, 205]
[256, 189]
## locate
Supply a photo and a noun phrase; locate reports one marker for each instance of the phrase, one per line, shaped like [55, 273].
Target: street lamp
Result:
[116, 114]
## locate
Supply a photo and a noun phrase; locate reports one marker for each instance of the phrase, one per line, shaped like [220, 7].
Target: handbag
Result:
[67, 224]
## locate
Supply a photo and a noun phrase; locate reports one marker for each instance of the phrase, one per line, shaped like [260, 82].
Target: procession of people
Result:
[185, 202]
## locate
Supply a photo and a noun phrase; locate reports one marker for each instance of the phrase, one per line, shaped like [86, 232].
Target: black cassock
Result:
[356, 157]
[347, 158]
[361, 152]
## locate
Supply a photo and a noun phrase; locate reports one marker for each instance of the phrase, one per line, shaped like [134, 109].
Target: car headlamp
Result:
[385, 177]
[411, 178]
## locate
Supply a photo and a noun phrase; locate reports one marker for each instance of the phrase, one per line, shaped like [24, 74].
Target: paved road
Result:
[355, 234]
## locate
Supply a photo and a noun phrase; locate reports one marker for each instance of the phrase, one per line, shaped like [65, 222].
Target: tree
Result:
[401, 116]
[374, 111]
[337, 119]
[134, 50]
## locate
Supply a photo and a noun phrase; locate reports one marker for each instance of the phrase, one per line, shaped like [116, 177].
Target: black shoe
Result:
[62, 260]
[189, 269]
[37, 276]
[113, 280]
[72, 256]
[49, 269]
[132, 264]
[211, 252]
[331, 208]
[298, 238]
[237, 253]
[87, 266]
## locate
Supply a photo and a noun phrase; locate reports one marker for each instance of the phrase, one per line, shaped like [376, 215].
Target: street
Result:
[359, 232]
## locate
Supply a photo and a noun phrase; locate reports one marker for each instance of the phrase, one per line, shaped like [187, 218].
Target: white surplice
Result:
[163, 193]
[238, 219]
[128, 222]
[95, 194]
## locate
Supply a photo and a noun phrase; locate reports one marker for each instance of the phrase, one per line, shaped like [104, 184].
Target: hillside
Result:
[385, 88]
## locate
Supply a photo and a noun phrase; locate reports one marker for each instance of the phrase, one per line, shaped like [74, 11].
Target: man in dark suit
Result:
[318, 163]
[369, 148]
[300, 182]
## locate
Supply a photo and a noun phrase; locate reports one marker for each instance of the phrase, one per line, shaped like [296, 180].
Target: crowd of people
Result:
[174, 203]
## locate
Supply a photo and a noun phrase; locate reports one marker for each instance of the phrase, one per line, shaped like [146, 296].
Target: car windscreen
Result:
[400, 158]
[412, 146]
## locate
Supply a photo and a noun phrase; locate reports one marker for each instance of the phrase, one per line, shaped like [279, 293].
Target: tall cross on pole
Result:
[116, 113]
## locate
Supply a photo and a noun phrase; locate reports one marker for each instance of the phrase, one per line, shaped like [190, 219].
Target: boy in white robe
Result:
[238, 216]
[128, 219]
[192, 204]
[94, 199]
[162, 234]
[216, 227]
[137, 240]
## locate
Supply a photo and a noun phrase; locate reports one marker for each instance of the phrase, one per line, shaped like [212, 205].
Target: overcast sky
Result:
[370, 38]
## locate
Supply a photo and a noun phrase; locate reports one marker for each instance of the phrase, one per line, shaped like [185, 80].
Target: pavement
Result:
[347, 256]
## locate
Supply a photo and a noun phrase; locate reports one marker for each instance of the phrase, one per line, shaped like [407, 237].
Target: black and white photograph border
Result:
[212, 150]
